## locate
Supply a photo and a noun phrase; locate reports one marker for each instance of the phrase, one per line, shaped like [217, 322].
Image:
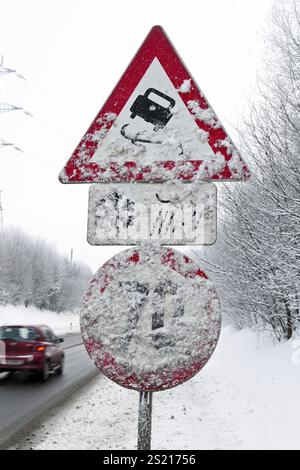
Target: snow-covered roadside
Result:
[61, 323]
[245, 398]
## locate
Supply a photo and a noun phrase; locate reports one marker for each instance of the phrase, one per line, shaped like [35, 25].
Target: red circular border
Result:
[107, 364]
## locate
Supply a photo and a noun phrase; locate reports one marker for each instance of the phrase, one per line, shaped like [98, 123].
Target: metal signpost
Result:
[145, 421]
[150, 318]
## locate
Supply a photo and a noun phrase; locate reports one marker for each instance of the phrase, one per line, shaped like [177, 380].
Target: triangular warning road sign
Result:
[155, 126]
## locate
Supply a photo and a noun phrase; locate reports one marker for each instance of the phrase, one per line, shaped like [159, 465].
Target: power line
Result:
[7, 107]
[4, 143]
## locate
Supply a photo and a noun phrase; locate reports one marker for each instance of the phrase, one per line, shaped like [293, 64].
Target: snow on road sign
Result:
[150, 318]
[125, 214]
[155, 126]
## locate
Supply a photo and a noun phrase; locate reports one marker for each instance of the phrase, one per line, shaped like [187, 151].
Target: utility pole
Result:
[1, 212]
[71, 255]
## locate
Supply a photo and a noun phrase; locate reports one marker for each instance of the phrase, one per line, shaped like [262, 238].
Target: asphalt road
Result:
[23, 398]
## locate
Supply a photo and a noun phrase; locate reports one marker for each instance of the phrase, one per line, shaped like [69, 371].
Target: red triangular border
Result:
[80, 169]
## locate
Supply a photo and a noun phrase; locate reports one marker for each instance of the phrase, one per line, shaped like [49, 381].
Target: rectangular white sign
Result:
[125, 214]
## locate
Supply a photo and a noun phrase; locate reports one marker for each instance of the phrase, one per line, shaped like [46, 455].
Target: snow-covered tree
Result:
[33, 273]
[256, 262]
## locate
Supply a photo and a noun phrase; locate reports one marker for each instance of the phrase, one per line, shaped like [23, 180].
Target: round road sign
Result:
[150, 318]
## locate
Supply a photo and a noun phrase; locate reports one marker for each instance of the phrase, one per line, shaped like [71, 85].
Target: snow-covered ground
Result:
[61, 323]
[247, 397]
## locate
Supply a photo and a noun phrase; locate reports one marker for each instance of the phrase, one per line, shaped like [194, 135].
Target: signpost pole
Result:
[144, 421]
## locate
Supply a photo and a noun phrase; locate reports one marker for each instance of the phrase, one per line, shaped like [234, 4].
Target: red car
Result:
[30, 348]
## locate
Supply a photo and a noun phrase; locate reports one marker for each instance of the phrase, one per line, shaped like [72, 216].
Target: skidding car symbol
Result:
[151, 111]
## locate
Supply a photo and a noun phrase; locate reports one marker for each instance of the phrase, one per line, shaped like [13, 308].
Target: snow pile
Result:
[245, 398]
[19, 315]
[185, 87]
[205, 115]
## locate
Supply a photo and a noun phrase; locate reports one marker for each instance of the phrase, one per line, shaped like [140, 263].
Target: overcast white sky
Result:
[72, 53]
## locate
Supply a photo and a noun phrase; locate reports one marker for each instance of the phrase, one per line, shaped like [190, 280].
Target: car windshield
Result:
[17, 333]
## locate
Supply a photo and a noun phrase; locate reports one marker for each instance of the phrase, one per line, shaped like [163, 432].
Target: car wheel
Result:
[60, 369]
[44, 374]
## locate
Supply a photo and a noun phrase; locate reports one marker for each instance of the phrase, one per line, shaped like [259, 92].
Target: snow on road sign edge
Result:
[228, 164]
[107, 364]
